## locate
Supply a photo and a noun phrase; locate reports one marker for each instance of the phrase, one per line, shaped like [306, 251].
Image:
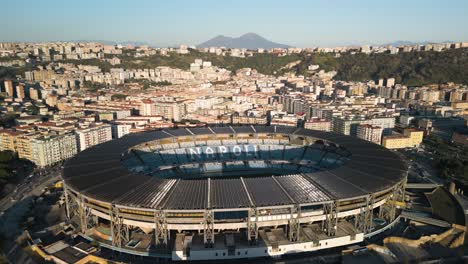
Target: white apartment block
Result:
[405, 120]
[120, 130]
[370, 133]
[285, 120]
[318, 124]
[348, 126]
[88, 137]
[207, 102]
[49, 150]
[147, 108]
[175, 110]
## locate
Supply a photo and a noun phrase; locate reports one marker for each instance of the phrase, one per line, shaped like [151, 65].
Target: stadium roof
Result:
[98, 173]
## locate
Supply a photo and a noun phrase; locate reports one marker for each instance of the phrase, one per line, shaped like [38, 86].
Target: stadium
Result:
[211, 193]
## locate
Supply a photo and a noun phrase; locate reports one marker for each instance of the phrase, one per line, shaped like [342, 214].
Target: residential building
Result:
[405, 120]
[51, 149]
[42, 75]
[346, 126]
[171, 109]
[93, 135]
[147, 108]
[24, 146]
[51, 100]
[120, 130]
[409, 139]
[248, 120]
[9, 88]
[207, 102]
[390, 82]
[8, 139]
[386, 123]
[370, 133]
[20, 94]
[319, 124]
[34, 94]
[284, 120]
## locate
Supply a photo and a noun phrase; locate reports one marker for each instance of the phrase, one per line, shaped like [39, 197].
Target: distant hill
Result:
[410, 43]
[112, 42]
[246, 41]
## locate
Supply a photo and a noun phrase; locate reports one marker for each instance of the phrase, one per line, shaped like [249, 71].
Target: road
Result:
[16, 205]
[421, 168]
[31, 186]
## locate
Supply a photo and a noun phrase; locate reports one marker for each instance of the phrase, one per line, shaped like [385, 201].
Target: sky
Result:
[306, 23]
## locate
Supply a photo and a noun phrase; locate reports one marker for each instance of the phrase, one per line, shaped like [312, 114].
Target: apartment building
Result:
[172, 110]
[370, 133]
[348, 126]
[9, 89]
[120, 130]
[207, 102]
[49, 150]
[147, 108]
[24, 146]
[319, 124]
[8, 139]
[93, 135]
[248, 120]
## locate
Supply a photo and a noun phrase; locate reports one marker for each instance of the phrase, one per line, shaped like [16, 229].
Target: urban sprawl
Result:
[60, 105]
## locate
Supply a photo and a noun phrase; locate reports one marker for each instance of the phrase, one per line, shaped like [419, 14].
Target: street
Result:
[31, 186]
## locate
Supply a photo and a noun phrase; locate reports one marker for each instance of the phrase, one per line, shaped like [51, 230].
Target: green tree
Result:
[118, 96]
[33, 109]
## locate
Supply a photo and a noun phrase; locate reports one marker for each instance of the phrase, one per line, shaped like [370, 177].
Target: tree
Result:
[7, 120]
[93, 86]
[33, 109]
[6, 156]
[118, 96]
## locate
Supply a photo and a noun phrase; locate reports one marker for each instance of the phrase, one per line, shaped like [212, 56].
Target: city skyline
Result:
[168, 131]
[300, 24]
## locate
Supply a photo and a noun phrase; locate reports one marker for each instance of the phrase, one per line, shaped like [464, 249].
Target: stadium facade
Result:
[232, 192]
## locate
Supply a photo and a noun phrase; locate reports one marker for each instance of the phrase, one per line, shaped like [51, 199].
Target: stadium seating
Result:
[265, 155]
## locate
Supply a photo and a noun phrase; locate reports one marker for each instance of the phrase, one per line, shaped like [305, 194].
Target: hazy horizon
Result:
[299, 24]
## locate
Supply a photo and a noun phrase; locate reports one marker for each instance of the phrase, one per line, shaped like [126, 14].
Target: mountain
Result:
[246, 41]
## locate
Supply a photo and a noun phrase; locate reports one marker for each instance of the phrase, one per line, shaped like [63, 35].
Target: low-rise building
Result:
[248, 120]
[319, 124]
[409, 139]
